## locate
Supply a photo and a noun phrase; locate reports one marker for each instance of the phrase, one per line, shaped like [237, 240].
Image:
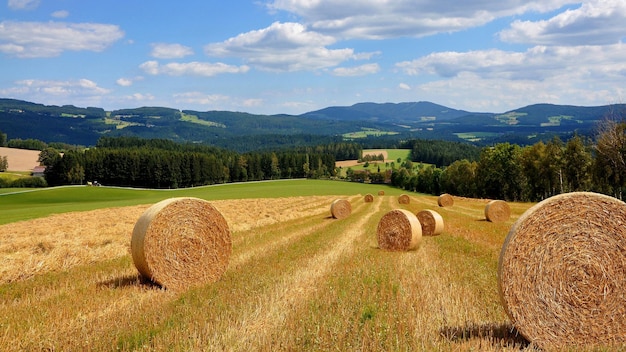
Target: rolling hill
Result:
[243, 131]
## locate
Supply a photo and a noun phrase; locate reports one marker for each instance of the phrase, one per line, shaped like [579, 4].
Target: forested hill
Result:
[245, 132]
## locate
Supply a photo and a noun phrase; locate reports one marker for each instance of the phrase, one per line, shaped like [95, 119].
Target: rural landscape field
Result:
[298, 279]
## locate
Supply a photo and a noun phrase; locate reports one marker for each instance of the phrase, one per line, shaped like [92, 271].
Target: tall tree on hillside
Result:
[611, 153]
[4, 163]
[499, 173]
[531, 160]
[3, 139]
[577, 165]
[459, 178]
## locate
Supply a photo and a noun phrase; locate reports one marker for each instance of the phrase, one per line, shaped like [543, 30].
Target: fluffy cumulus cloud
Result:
[537, 63]
[205, 69]
[379, 19]
[124, 82]
[48, 39]
[282, 47]
[80, 92]
[597, 22]
[170, 51]
[494, 79]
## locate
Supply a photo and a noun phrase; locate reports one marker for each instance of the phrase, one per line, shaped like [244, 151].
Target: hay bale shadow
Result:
[498, 335]
[130, 281]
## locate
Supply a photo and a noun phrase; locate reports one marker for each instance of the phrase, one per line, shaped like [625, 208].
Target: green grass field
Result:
[28, 204]
[373, 166]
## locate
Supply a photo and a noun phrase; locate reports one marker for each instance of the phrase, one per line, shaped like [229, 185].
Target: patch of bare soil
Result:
[20, 159]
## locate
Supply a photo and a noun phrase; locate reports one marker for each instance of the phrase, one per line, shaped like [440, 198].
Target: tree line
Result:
[531, 173]
[159, 163]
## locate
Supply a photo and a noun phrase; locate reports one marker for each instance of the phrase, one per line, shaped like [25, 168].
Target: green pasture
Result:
[475, 136]
[23, 204]
[372, 166]
[367, 132]
[394, 154]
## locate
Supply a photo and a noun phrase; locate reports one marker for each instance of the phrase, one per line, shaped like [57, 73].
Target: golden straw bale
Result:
[381, 193]
[497, 211]
[431, 221]
[562, 272]
[181, 242]
[445, 200]
[369, 198]
[399, 230]
[404, 199]
[340, 209]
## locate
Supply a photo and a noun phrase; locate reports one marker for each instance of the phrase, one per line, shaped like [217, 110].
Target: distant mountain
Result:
[422, 111]
[243, 131]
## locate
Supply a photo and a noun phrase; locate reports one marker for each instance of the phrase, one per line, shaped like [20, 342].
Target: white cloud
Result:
[23, 4]
[537, 63]
[139, 97]
[200, 98]
[593, 23]
[205, 69]
[60, 14]
[124, 82]
[362, 70]
[170, 51]
[282, 47]
[48, 39]
[378, 19]
[404, 86]
[252, 102]
[81, 92]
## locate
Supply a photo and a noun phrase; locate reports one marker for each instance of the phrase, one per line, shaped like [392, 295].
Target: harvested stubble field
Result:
[297, 280]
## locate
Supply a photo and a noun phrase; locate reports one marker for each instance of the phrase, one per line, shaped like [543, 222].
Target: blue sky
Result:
[295, 56]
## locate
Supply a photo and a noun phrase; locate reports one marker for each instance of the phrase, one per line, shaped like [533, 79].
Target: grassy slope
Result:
[32, 204]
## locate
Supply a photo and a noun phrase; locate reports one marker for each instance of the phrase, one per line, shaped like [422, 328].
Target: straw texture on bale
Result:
[431, 221]
[404, 199]
[381, 193]
[399, 230]
[562, 272]
[445, 200]
[340, 209]
[497, 211]
[181, 242]
[369, 198]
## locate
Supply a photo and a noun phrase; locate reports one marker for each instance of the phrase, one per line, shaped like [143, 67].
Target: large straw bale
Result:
[181, 242]
[369, 198]
[381, 193]
[399, 230]
[340, 209]
[562, 272]
[431, 221]
[404, 199]
[497, 211]
[445, 200]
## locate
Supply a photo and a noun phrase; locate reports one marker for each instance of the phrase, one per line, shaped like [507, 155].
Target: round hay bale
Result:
[445, 200]
[431, 221]
[181, 242]
[497, 211]
[381, 193]
[404, 199]
[340, 209]
[562, 272]
[399, 230]
[369, 198]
